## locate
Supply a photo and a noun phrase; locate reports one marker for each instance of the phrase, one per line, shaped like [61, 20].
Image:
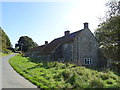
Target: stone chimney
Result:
[46, 42]
[67, 32]
[85, 25]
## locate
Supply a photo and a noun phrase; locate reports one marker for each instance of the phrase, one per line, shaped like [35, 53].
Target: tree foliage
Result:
[4, 40]
[113, 8]
[108, 33]
[25, 43]
[108, 37]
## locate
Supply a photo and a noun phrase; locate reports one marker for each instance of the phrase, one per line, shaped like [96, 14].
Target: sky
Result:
[46, 20]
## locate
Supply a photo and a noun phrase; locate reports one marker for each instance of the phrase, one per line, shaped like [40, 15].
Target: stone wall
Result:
[83, 47]
[86, 46]
[67, 51]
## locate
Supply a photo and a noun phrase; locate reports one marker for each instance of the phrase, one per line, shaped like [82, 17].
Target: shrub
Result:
[68, 65]
[114, 86]
[60, 65]
[68, 85]
[51, 64]
[104, 76]
[79, 71]
[73, 78]
[59, 75]
[96, 83]
[66, 74]
[110, 81]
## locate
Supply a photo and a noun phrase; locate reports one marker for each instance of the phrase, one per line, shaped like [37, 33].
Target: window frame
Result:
[87, 61]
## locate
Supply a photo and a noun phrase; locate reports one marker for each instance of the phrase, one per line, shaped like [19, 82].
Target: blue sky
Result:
[45, 21]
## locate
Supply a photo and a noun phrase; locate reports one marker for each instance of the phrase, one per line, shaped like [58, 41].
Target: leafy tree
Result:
[113, 8]
[25, 43]
[4, 41]
[108, 33]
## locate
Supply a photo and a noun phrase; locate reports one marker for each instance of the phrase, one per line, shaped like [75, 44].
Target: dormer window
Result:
[87, 61]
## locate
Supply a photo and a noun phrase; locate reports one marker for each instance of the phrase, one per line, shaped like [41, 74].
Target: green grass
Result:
[3, 54]
[59, 75]
[5, 50]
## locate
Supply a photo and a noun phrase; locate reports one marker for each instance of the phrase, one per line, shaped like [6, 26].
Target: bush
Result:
[63, 76]
[66, 74]
[73, 79]
[110, 81]
[6, 51]
[104, 76]
[96, 83]
[114, 86]
[60, 65]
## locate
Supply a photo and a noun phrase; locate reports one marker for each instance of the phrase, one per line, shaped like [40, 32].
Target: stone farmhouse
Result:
[80, 48]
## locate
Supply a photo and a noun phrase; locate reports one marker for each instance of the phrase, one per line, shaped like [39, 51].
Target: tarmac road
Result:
[10, 78]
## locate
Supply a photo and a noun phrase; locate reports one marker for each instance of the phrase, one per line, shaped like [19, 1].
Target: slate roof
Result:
[39, 48]
[49, 48]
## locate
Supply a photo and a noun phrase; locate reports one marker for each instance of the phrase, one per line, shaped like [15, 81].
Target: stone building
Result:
[80, 47]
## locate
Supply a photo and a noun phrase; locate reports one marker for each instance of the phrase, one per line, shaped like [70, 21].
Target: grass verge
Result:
[3, 54]
[59, 75]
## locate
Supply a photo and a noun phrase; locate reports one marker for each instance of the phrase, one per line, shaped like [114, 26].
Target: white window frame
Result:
[87, 61]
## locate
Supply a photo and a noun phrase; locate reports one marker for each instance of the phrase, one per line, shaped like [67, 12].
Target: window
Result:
[65, 46]
[87, 61]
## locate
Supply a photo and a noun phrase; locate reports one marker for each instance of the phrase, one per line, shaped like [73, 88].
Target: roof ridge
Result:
[51, 47]
[68, 35]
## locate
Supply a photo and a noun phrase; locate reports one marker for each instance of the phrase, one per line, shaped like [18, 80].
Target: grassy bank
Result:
[59, 75]
[3, 54]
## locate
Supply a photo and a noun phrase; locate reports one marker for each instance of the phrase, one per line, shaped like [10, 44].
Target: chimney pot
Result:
[85, 25]
[67, 33]
[46, 42]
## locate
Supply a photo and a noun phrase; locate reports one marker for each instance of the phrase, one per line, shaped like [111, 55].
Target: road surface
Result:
[10, 78]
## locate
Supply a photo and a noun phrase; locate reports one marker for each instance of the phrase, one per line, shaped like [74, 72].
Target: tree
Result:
[113, 8]
[108, 33]
[25, 43]
[4, 41]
